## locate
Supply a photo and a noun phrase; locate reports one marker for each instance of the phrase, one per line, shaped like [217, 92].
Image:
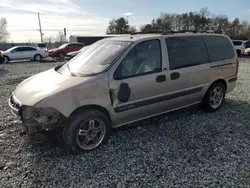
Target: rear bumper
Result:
[231, 84]
[46, 54]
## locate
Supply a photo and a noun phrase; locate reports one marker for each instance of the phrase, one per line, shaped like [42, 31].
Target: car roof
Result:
[23, 46]
[74, 43]
[136, 37]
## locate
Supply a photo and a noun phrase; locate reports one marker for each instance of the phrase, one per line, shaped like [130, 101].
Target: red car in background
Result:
[1, 57]
[62, 51]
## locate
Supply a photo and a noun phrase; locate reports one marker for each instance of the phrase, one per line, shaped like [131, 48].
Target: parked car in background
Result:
[24, 52]
[240, 46]
[65, 49]
[121, 80]
[70, 55]
[1, 57]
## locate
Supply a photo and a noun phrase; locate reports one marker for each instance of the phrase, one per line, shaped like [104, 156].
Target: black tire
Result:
[1, 59]
[207, 101]
[61, 57]
[238, 53]
[76, 121]
[6, 59]
[38, 57]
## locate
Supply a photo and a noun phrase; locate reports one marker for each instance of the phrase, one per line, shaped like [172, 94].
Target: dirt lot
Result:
[188, 148]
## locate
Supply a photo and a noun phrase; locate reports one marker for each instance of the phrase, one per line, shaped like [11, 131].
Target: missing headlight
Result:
[41, 115]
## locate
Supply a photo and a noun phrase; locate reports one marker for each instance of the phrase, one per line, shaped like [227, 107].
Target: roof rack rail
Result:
[149, 32]
[167, 32]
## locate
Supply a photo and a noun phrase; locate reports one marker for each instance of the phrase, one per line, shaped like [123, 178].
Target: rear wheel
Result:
[61, 57]
[37, 57]
[86, 131]
[214, 97]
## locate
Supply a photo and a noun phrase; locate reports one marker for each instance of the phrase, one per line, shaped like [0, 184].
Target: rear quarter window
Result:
[219, 48]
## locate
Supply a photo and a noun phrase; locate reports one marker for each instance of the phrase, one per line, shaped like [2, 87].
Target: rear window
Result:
[186, 51]
[219, 48]
[237, 43]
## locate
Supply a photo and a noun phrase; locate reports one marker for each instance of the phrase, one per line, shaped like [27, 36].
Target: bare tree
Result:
[132, 29]
[48, 39]
[3, 29]
[61, 37]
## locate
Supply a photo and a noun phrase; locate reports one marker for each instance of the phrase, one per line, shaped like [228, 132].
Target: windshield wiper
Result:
[72, 74]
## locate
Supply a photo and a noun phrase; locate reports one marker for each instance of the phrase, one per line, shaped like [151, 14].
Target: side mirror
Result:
[13, 51]
[124, 92]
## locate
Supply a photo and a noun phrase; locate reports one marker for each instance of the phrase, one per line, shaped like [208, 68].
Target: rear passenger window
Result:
[186, 51]
[219, 48]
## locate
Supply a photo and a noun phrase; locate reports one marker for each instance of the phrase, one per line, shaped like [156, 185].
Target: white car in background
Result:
[24, 52]
[240, 46]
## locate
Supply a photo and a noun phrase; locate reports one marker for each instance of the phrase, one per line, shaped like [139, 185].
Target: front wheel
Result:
[86, 131]
[61, 57]
[214, 97]
[6, 59]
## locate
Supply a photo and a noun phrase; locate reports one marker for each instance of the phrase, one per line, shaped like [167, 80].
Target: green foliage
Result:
[120, 26]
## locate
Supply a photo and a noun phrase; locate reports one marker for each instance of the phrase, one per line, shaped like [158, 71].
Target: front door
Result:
[139, 82]
[16, 54]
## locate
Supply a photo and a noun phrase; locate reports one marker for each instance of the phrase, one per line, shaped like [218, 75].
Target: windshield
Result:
[62, 46]
[95, 59]
[10, 49]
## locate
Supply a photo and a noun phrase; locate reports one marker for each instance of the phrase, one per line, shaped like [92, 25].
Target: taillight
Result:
[237, 67]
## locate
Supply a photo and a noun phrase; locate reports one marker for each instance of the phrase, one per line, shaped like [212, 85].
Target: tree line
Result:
[195, 20]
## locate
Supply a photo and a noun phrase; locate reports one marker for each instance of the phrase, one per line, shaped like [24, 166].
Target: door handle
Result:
[175, 76]
[161, 78]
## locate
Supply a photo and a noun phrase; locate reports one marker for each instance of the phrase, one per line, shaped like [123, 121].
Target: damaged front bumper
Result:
[36, 119]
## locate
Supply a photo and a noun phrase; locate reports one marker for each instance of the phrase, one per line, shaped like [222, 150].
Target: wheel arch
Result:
[218, 81]
[92, 107]
[7, 57]
[38, 54]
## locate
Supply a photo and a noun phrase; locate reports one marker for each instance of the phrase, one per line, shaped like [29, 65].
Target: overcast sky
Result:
[91, 17]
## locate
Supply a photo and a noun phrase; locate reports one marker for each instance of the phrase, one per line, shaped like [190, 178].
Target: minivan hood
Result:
[38, 87]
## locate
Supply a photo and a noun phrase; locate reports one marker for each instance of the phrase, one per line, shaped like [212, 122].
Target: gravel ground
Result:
[189, 147]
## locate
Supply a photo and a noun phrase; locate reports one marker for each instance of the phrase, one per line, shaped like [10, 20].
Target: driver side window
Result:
[144, 58]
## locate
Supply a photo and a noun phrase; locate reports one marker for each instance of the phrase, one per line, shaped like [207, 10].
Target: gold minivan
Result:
[121, 80]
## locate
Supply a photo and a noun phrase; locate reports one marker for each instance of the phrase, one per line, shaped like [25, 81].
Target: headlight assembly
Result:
[41, 115]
